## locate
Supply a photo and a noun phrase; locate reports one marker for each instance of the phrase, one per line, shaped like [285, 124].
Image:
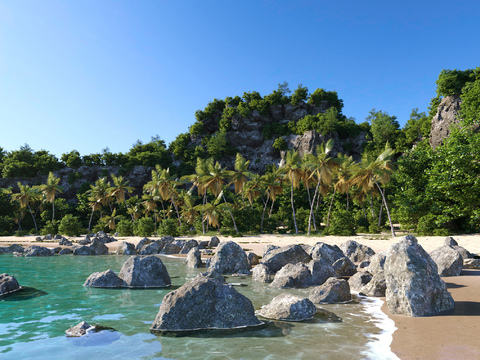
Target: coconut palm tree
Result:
[50, 190]
[272, 181]
[240, 175]
[120, 190]
[26, 196]
[111, 219]
[293, 173]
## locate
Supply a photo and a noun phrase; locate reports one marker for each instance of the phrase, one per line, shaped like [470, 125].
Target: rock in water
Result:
[205, 303]
[414, 287]
[35, 250]
[194, 258]
[230, 258]
[449, 261]
[8, 284]
[126, 248]
[106, 279]
[376, 287]
[145, 271]
[292, 276]
[261, 274]
[278, 258]
[79, 330]
[321, 271]
[333, 291]
[359, 280]
[288, 307]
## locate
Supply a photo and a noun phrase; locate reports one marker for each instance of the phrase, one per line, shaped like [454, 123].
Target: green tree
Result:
[293, 173]
[451, 82]
[384, 128]
[27, 196]
[299, 95]
[50, 190]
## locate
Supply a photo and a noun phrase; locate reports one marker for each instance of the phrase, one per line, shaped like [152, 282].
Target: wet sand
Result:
[450, 335]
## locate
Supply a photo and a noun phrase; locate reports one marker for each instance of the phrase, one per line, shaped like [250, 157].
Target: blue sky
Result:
[87, 75]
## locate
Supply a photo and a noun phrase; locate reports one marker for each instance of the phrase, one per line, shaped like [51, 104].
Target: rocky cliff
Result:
[447, 114]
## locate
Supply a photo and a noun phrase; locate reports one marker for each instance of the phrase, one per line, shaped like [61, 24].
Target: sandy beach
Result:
[445, 336]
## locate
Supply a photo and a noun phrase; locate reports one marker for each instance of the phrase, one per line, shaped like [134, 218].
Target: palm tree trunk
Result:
[330, 207]
[293, 210]
[230, 211]
[311, 209]
[203, 218]
[263, 216]
[53, 210]
[163, 209]
[386, 208]
[380, 213]
[348, 201]
[90, 222]
[176, 209]
[271, 209]
[33, 217]
[363, 208]
[371, 206]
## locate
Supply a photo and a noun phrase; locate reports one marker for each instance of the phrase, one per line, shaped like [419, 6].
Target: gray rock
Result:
[151, 249]
[57, 250]
[144, 272]
[57, 237]
[167, 239]
[230, 258]
[359, 280]
[36, 250]
[194, 258]
[65, 242]
[321, 271]
[8, 284]
[170, 249]
[269, 248]
[126, 248]
[447, 114]
[261, 274]
[377, 262]
[252, 259]
[471, 264]
[106, 279]
[449, 261]
[364, 264]
[449, 241]
[333, 291]
[98, 248]
[291, 254]
[292, 276]
[464, 253]
[11, 249]
[414, 287]
[190, 244]
[344, 267]
[288, 307]
[83, 250]
[203, 244]
[205, 303]
[355, 251]
[65, 251]
[142, 243]
[330, 253]
[214, 242]
[376, 287]
[79, 330]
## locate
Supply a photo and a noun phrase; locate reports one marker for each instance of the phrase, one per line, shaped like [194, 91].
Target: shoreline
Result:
[443, 336]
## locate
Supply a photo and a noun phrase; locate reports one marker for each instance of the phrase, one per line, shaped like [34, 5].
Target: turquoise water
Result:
[33, 321]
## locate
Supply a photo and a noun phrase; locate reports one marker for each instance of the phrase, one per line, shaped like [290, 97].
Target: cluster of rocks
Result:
[136, 272]
[14, 248]
[8, 284]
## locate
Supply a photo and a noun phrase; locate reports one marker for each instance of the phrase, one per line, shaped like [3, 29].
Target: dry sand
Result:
[452, 335]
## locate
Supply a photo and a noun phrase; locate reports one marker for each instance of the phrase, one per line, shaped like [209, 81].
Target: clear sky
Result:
[90, 74]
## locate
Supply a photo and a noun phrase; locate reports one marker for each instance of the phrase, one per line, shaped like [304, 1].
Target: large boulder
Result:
[8, 284]
[355, 251]
[292, 276]
[291, 254]
[98, 247]
[414, 287]
[333, 291]
[126, 248]
[330, 253]
[344, 267]
[377, 262]
[11, 249]
[36, 250]
[288, 307]
[214, 242]
[449, 261]
[106, 279]
[194, 258]
[230, 258]
[260, 273]
[83, 250]
[151, 249]
[321, 271]
[142, 243]
[190, 244]
[145, 272]
[170, 249]
[463, 252]
[359, 280]
[376, 287]
[269, 248]
[203, 304]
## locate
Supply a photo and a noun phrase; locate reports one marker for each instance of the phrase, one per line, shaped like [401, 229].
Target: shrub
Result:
[426, 225]
[280, 144]
[50, 228]
[169, 227]
[343, 223]
[144, 227]
[70, 226]
[125, 227]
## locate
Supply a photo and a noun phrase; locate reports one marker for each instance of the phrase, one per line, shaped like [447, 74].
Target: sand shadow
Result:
[454, 286]
[470, 272]
[463, 308]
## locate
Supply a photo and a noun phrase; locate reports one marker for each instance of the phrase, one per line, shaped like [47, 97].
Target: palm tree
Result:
[50, 190]
[110, 219]
[253, 188]
[293, 172]
[100, 192]
[272, 181]
[189, 213]
[120, 190]
[240, 175]
[25, 197]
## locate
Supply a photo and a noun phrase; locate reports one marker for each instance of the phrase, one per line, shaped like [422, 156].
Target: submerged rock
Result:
[414, 287]
[145, 271]
[288, 307]
[261, 274]
[8, 284]
[79, 329]
[203, 304]
[230, 258]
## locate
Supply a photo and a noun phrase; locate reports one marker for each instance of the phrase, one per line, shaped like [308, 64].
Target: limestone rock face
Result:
[414, 287]
[288, 307]
[344, 267]
[106, 279]
[261, 274]
[35, 250]
[376, 287]
[291, 254]
[292, 276]
[321, 271]
[230, 258]
[8, 284]
[447, 114]
[355, 251]
[126, 248]
[449, 261]
[205, 303]
[333, 291]
[145, 271]
[331, 253]
[359, 280]
[194, 258]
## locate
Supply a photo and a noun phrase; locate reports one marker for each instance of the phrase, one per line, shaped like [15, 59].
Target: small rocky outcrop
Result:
[11, 249]
[288, 307]
[414, 287]
[359, 280]
[449, 261]
[142, 243]
[194, 258]
[447, 114]
[83, 250]
[330, 253]
[230, 258]
[376, 287]
[204, 304]
[214, 242]
[252, 259]
[106, 279]
[333, 291]
[292, 276]
[449, 241]
[291, 254]
[261, 274]
[151, 249]
[8, 284]
[36, 250]
[321, 271]
[66, 251]
[65, 242]
[355, 251]
[145, 272]
[126, 248]
[190, 244]
[344, 267]
[80, 329]
[98, 247]
[377, 262]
